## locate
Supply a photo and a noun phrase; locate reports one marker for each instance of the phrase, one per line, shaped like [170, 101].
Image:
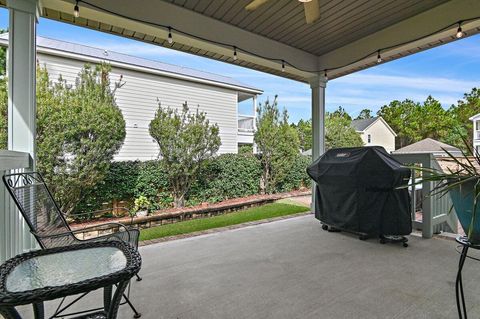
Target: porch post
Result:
[318, 85]
[21, 75]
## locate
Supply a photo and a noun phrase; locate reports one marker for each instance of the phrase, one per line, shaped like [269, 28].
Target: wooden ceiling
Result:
[341, 22]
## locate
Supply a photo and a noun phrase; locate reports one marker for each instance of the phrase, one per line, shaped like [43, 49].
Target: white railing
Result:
[15, 237]
[435, 210]
[246, 123]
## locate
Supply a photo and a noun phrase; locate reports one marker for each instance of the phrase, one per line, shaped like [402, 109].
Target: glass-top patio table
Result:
[42, 275]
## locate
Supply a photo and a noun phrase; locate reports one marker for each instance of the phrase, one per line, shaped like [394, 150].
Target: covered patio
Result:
[287, 269]
[294, 269]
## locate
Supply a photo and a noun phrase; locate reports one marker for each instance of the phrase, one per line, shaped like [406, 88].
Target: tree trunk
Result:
[178, 201]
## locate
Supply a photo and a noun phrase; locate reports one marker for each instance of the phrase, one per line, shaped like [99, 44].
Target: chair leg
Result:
[136, 314]
[138, 277]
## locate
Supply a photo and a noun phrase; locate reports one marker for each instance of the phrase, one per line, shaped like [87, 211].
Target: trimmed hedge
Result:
[226, 176]
[223, 177]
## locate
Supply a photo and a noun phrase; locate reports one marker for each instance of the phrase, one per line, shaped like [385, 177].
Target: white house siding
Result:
[380, 136]
[137, 100]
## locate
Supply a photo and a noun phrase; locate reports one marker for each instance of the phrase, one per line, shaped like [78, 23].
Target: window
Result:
[369, 138]
[477, 125]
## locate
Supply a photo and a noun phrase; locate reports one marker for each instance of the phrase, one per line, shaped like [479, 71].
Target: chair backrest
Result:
[41, 212]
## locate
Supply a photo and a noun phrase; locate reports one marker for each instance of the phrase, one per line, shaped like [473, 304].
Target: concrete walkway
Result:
[294, 269]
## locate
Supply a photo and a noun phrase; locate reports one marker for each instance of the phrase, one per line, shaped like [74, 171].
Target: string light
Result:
[379, 58]
[235, 53]
[76, 10]
[459, 33]
[325, 75]
[170, 39]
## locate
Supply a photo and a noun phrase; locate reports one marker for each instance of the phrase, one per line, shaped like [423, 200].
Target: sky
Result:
[445, 72]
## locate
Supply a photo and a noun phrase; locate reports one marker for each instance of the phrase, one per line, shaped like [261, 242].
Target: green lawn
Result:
[256, 213]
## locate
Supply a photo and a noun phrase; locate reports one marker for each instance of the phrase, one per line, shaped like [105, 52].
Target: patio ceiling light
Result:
[460, 33]
[256, 3]
[170, 39]
[76, 10]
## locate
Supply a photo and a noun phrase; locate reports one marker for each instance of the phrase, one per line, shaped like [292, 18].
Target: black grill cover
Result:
[356, 191]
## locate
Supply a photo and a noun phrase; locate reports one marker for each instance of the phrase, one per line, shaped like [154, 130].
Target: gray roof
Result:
[361, 125]
[102, 54]
[427, 145]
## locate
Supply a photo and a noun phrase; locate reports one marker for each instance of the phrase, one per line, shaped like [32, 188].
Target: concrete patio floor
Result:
[294, 269]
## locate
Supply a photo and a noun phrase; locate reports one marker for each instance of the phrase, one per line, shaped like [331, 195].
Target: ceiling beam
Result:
[407, 30]
[165, 13]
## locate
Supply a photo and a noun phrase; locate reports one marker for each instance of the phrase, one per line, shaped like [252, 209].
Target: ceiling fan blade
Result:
[312, 11]
[255, 4]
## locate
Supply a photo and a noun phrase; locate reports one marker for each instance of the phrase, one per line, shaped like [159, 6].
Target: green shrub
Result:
[296, 177]
[223, 177]
[152, 182]
[227, 176]
[119, 184]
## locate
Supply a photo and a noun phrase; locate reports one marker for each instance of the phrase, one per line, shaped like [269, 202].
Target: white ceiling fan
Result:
[311, 7]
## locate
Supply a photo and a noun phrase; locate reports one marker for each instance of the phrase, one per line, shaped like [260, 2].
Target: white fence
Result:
[15, 236]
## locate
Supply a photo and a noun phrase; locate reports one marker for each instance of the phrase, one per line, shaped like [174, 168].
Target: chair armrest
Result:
[72, 232]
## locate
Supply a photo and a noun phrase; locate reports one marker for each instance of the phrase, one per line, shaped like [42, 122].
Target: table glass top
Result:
[65, 268]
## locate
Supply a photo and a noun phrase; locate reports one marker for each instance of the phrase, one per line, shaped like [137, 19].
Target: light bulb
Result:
[460, 33]
[379, 58]
[235, 53]
[283, 66]
[325, 75]
[76, 10]
[170, 39]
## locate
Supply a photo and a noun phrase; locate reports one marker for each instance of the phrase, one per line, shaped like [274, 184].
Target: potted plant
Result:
[142, 205]
[461, 181]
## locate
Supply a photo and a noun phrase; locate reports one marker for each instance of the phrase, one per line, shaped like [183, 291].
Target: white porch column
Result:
[318, 85]
[21, 75]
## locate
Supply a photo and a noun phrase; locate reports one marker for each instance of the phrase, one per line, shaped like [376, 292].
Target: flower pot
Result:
[142, 213]
[462, 199]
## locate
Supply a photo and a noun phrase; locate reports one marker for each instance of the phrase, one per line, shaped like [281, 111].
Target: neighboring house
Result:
[429, 146]
[375, 132]
[476, 131]
[145, 81]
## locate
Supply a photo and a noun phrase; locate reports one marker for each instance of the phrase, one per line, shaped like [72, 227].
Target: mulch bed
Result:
[234, 203]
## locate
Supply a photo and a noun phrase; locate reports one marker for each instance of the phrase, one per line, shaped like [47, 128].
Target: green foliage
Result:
[185, 140]
[413, 121]
[141, 203]
[341, 112]
[3, 113]
[3, 58]
[277, 142]
[339, 133]
[227, 176]
[460, 114]
[79, 129]
[252, 214]
[152, 182]
[119, 184]
[297, 176]
[304, 131]
[364, 114]
[245, 149]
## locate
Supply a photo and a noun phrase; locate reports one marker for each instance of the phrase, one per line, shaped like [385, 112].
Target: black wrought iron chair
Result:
[49, 225]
